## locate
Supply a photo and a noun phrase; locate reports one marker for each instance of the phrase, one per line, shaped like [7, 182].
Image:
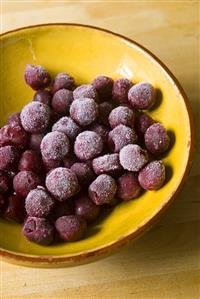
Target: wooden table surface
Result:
[165, 262]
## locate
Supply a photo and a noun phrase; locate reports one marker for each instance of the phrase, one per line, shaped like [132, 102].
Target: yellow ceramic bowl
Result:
[85, 52]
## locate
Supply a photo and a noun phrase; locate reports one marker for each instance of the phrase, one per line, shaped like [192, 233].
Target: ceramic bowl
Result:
[84, 52]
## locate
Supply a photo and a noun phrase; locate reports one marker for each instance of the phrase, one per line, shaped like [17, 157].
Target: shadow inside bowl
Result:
[104, 214]
[168, 173]
[159, 98]
[92, 231]
[172, 137]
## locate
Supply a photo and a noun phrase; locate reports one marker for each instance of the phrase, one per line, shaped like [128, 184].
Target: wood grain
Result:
[165, 262]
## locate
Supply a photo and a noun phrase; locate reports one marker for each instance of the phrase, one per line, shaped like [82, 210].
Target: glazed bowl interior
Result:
[84, 52]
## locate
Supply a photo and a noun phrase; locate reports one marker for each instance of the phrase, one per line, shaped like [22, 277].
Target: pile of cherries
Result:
[76, 149]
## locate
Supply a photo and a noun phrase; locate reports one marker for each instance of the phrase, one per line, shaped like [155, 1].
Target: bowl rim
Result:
[102, 251]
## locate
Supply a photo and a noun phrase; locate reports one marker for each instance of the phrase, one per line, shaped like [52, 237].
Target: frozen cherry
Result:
[120, 90]
[156, 139]
[62, 100]
[142, 95]
[132, 157]
[85, 91]
[120, 136]
[122, 115]
[9, 157]
[128, 186]
[85, 208]
[63, 80]
[107, 164]
[43, 96]
[152, 176]
[51, 164]
[55, 146]
[30, 160]
[15, 210]
[83, 172]
[101, 130]
[25, 181]
[102, 190]
[14, 118]
[103, 85]
[36, 76]
[5, 182]
[70, 160]
[88, 145]
[68, 126]
[71, 228]
[35, 117]
[35, 141]
[39, 203]
[38, 230]
[13, 134]
[84, 111]
[62, 183]
[143, 122]
[60, 209]
[104, 110]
